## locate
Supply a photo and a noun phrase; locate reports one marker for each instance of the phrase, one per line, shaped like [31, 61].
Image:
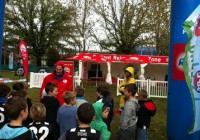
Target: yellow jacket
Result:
[126, 81]
[123, 83]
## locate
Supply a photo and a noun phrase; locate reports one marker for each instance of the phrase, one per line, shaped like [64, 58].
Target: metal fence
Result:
[154, 88]
[36, 79]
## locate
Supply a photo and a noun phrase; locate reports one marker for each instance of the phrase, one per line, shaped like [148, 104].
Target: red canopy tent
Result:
[118, 58]
[88, 57]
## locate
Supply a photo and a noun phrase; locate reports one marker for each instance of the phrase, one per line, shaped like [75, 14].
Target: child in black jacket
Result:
[52, 104]
[104, 95]
[146, 111]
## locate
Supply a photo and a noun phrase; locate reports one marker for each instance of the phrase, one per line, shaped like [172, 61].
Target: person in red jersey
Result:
[59, 77]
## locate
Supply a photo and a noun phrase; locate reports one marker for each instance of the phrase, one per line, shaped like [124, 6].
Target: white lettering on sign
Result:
[117, 58]
[113, 57]
[156, 60]
[107, 57]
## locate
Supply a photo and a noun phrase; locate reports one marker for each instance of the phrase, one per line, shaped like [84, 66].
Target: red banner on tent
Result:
[121, 58]
[24, 55]
[158, 59]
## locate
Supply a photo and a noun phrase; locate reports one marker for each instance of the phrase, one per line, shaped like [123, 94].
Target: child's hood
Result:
[98, 109]
[150, 106]
[10, 133]
[137, 106]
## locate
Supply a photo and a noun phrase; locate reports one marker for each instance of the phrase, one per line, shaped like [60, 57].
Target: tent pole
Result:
[80, 72]
[96, 74]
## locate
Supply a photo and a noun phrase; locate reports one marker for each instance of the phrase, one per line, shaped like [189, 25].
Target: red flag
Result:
[24, 55]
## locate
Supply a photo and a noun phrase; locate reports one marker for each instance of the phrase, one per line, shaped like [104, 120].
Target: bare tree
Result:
[126, 24]
[160, 10]
[82, 20]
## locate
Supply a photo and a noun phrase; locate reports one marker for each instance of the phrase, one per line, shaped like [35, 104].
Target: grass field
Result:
[157, 129]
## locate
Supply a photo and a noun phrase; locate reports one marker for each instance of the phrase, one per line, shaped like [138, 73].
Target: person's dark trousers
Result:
[142, 134]
[128, 134]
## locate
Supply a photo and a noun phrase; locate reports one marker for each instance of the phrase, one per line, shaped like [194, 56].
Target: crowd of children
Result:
[76, 118]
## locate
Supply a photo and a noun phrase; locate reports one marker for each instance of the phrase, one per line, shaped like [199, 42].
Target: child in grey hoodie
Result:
[128, 118]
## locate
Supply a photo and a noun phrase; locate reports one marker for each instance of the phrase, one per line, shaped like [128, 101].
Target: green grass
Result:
[10, 75]
[157, 129]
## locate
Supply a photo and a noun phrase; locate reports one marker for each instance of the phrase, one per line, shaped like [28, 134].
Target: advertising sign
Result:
[119, 58]
[178, 57]
[183, 100]
[24, 55]
[69, 68]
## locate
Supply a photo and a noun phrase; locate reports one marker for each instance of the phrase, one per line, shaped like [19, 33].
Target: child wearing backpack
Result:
[146, 111]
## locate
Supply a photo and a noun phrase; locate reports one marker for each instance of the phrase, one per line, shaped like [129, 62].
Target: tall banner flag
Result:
[24, 55]
[191, 63]
[2, 11]
[10, 61]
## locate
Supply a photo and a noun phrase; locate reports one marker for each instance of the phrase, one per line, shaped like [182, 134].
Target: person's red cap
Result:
[60, 63]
